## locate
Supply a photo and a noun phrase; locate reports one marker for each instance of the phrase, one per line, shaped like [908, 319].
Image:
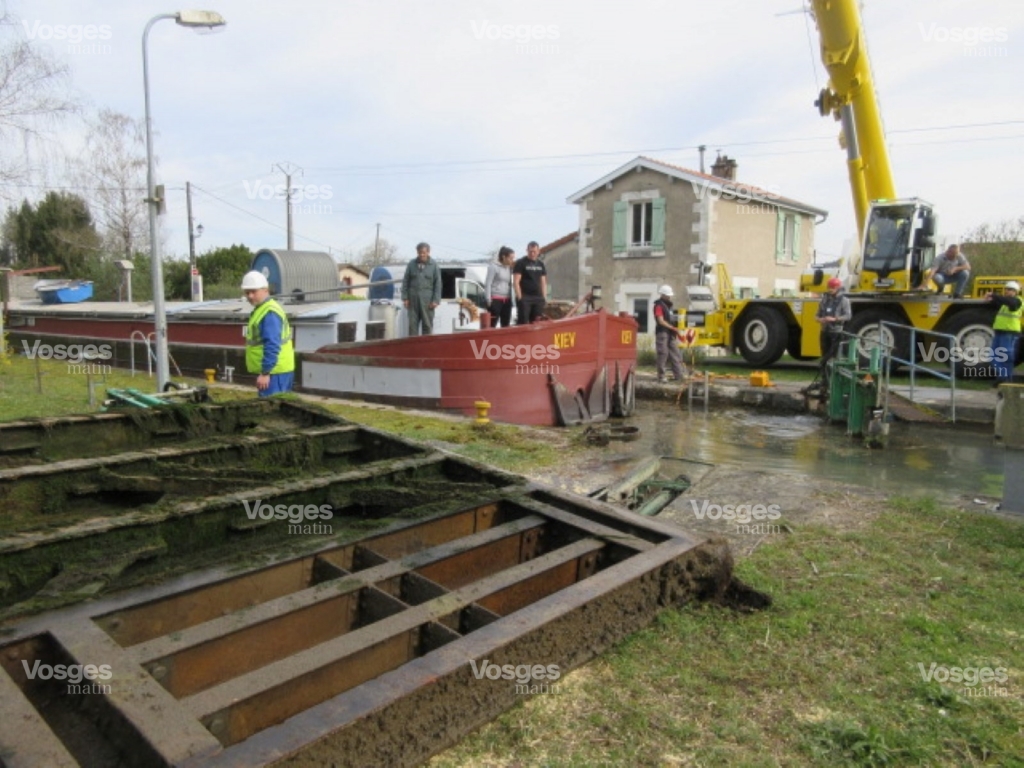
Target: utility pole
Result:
[288, 169]
[193, 272]
[376, 247]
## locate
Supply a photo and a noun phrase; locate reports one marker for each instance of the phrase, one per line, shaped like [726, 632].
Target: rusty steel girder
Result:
[372, 647]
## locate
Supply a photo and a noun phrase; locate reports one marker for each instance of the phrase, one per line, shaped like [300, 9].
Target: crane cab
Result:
[899, 245]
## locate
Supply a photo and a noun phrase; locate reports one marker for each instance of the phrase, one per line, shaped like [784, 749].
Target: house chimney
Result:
[724, 168]
[701, 148]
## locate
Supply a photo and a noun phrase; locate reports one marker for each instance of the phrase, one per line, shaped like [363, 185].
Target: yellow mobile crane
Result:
[897, 235]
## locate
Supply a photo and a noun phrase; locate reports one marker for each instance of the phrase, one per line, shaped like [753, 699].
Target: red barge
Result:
[566, 371]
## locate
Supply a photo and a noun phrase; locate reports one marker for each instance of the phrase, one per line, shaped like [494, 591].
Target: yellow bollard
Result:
[482, 406]
[211, 374]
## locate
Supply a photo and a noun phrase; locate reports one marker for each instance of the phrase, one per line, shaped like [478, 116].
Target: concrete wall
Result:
[563, 267]
[743, 238]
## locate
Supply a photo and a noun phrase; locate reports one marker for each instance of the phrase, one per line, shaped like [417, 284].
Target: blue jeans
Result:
[279, 382]
[1004, 350]
[958, 281]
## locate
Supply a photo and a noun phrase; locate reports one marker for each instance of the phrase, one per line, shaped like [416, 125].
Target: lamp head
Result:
[200, 19]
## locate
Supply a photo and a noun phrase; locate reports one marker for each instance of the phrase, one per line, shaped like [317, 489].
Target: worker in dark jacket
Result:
[1007, 331]
[833, 311]
[666, 335]
[421, 291]
[269, 351]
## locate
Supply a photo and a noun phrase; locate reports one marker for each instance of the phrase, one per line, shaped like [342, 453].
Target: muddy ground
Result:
[782, 500]
[799, 499]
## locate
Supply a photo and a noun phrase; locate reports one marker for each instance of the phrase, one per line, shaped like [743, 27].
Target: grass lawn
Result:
[56, 392]
[831, 674]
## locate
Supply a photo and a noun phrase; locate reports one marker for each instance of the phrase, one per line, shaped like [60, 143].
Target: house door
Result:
[640, 308]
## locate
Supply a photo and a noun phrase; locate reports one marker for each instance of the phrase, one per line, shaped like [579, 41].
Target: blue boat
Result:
[63, 291]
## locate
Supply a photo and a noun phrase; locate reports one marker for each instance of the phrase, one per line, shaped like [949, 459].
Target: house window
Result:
[638, 228]
[643, 219]
[745, 287]
[787, 237]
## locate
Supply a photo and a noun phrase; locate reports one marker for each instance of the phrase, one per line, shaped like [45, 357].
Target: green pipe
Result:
[150, 400]
[124, 397]
[656, 503]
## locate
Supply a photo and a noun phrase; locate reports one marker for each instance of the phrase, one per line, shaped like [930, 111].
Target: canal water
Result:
[918, 457]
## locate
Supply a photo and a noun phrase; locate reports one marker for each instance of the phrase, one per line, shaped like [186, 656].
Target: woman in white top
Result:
[498, 288]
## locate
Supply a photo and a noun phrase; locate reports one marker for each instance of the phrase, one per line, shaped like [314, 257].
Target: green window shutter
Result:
[619, 211]
[797, 226]
[658, 227]
[780, 235]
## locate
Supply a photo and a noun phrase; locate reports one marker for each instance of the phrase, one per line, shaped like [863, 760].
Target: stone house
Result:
[350, 274]
[562, 261]
[649, 222]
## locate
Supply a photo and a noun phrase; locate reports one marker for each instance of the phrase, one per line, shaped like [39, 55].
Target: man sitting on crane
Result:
[951, 267]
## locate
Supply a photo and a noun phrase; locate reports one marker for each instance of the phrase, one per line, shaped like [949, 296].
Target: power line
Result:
[956, 127]
[439, 245]
[260, 218]
[584, 155]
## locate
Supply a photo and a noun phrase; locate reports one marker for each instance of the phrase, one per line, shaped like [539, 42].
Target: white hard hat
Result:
[666, 290]
[1012, 285]
[253, 281]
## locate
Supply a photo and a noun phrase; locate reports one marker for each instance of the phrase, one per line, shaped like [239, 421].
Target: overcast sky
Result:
[468, 124]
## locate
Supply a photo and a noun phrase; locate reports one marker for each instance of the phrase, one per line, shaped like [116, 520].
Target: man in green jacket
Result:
[421, 291]
[269, 352]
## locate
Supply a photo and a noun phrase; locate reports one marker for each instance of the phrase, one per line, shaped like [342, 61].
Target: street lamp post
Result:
[208, 19]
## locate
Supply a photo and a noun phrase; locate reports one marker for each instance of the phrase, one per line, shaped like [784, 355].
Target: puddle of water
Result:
[918, 458]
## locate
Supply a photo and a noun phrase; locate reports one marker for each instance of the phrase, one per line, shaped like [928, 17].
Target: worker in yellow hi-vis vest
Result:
[269, 351]
[1006, 329]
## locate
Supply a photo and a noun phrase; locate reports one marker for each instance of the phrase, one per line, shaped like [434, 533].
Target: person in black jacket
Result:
[666, 334]
[833, 311]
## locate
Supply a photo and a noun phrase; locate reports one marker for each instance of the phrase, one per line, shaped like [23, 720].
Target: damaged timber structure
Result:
[262, 583]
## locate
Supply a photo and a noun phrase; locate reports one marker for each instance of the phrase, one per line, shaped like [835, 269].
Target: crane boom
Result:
[850, 97]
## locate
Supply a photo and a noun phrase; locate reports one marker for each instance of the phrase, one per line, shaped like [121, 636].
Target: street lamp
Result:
[209, 20]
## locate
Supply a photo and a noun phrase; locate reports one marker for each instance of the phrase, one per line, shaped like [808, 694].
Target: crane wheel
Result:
[973, 331]
[763, 335]
[865, 326]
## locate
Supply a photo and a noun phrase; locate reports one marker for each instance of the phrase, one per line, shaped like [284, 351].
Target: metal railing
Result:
[912, 364]
[150, 353]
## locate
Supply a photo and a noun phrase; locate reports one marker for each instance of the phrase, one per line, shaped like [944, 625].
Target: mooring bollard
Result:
[482, 407]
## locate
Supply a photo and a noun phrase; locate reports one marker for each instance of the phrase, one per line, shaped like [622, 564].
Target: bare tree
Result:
[34, 96]
[112, 174]
[1008, 230]
[996, 249]
[383, 252]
